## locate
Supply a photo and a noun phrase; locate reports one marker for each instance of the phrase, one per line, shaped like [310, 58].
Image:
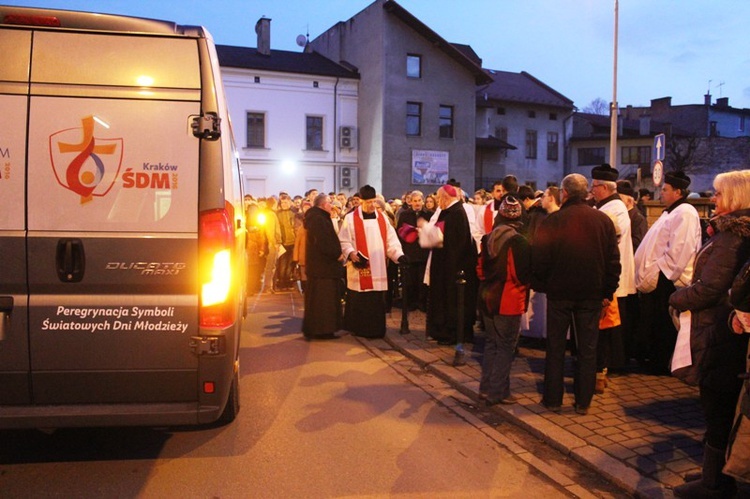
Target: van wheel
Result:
[233, 402]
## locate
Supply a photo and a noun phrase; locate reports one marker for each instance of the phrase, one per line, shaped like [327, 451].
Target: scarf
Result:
[365, 274]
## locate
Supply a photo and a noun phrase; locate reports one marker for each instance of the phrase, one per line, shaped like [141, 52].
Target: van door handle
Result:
[71, 260]
[6, 307]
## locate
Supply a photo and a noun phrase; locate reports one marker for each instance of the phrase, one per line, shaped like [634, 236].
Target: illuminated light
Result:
[261, 218]
[144, 81]
[101, 122]
[217, 289]
[209, 387]
[288, 167]
[216, 239]
[32, 20]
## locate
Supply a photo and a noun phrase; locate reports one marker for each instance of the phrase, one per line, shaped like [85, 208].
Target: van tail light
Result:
[215, 246]
[32, 20]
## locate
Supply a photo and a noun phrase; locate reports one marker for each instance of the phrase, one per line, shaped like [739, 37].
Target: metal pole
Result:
[460, 358]
[404, 268]
[613, 107]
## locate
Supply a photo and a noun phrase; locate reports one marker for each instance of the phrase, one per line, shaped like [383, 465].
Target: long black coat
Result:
[459, 252]
[718, 355]
[575, 254]
[322, 247]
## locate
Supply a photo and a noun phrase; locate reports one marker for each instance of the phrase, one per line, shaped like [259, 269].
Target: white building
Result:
[294, 118]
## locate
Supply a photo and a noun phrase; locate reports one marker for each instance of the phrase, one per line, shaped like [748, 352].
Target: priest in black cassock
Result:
[453, 250]
[367, 240]
[324, 263]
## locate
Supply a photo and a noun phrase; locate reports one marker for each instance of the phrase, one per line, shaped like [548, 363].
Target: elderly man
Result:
[576, 261]
[367, 240]
[453, 250]
[611, 349]
[406, 229]
[664, 262]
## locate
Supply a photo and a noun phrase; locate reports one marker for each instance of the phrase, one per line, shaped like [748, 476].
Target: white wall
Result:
[286, 99]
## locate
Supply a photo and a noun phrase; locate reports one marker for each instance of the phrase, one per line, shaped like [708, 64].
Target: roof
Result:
[283, 61]
[450, 49]
[521, 87]
[592, 126]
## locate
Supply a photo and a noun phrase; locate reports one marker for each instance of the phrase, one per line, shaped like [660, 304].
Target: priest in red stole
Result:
[367, 241]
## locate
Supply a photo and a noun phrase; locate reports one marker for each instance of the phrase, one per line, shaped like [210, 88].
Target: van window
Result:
[16, 48]
[85, 59]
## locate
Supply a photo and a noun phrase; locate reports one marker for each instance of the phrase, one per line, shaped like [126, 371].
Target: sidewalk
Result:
[644, 433]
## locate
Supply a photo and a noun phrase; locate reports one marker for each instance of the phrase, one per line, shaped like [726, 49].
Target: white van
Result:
[122, 232]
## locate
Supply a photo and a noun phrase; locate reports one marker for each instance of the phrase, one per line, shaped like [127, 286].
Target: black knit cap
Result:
[678, 180]
[604, 172]
[367, 192]
[625, 187]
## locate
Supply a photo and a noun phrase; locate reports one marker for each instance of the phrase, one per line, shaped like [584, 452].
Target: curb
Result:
[619, 473]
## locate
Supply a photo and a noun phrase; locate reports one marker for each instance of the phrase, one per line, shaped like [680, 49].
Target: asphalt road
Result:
[318, 419]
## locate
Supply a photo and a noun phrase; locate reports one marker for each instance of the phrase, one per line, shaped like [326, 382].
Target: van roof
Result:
[69, 19]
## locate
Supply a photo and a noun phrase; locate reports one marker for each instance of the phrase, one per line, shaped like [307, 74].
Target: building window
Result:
[742, 123]
[413, 118]
[256, 79]
[552, 149]
[446, 122]
[553, 116]
[636, 155]
[413, 66]
[501, 132]
[500, 110]
[532, 114]
[531, 144]
[314, 133]
[256, 130]
[590, 156]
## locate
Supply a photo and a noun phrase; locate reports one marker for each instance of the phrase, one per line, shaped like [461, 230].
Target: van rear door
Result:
[112, 218]
[14, 346]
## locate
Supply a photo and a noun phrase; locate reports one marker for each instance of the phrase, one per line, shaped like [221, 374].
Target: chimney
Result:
[722, 102]
[707, 99]
[263, 30]
[661, 104]
[644, 124]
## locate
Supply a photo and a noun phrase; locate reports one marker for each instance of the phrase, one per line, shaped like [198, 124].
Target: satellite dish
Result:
[301, 40]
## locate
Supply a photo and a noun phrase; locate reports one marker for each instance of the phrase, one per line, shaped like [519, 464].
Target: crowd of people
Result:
[615, 293]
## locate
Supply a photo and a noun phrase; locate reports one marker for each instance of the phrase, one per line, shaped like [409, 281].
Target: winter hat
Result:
[604, 172]
[510, 208]
[367, 192]
[678, 180]
[625, 187]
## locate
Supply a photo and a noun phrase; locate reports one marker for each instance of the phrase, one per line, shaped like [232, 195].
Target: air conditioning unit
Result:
[348, 137]
[348, 177]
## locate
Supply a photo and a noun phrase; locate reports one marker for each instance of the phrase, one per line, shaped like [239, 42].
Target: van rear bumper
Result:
[59, 416]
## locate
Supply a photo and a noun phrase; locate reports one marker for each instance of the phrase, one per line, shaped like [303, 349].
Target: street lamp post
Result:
[613, 105]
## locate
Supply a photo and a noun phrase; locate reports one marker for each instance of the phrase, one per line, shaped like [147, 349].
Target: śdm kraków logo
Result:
[83, 163]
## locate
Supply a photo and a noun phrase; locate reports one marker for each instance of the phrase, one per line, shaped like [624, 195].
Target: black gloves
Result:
[403, 260]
